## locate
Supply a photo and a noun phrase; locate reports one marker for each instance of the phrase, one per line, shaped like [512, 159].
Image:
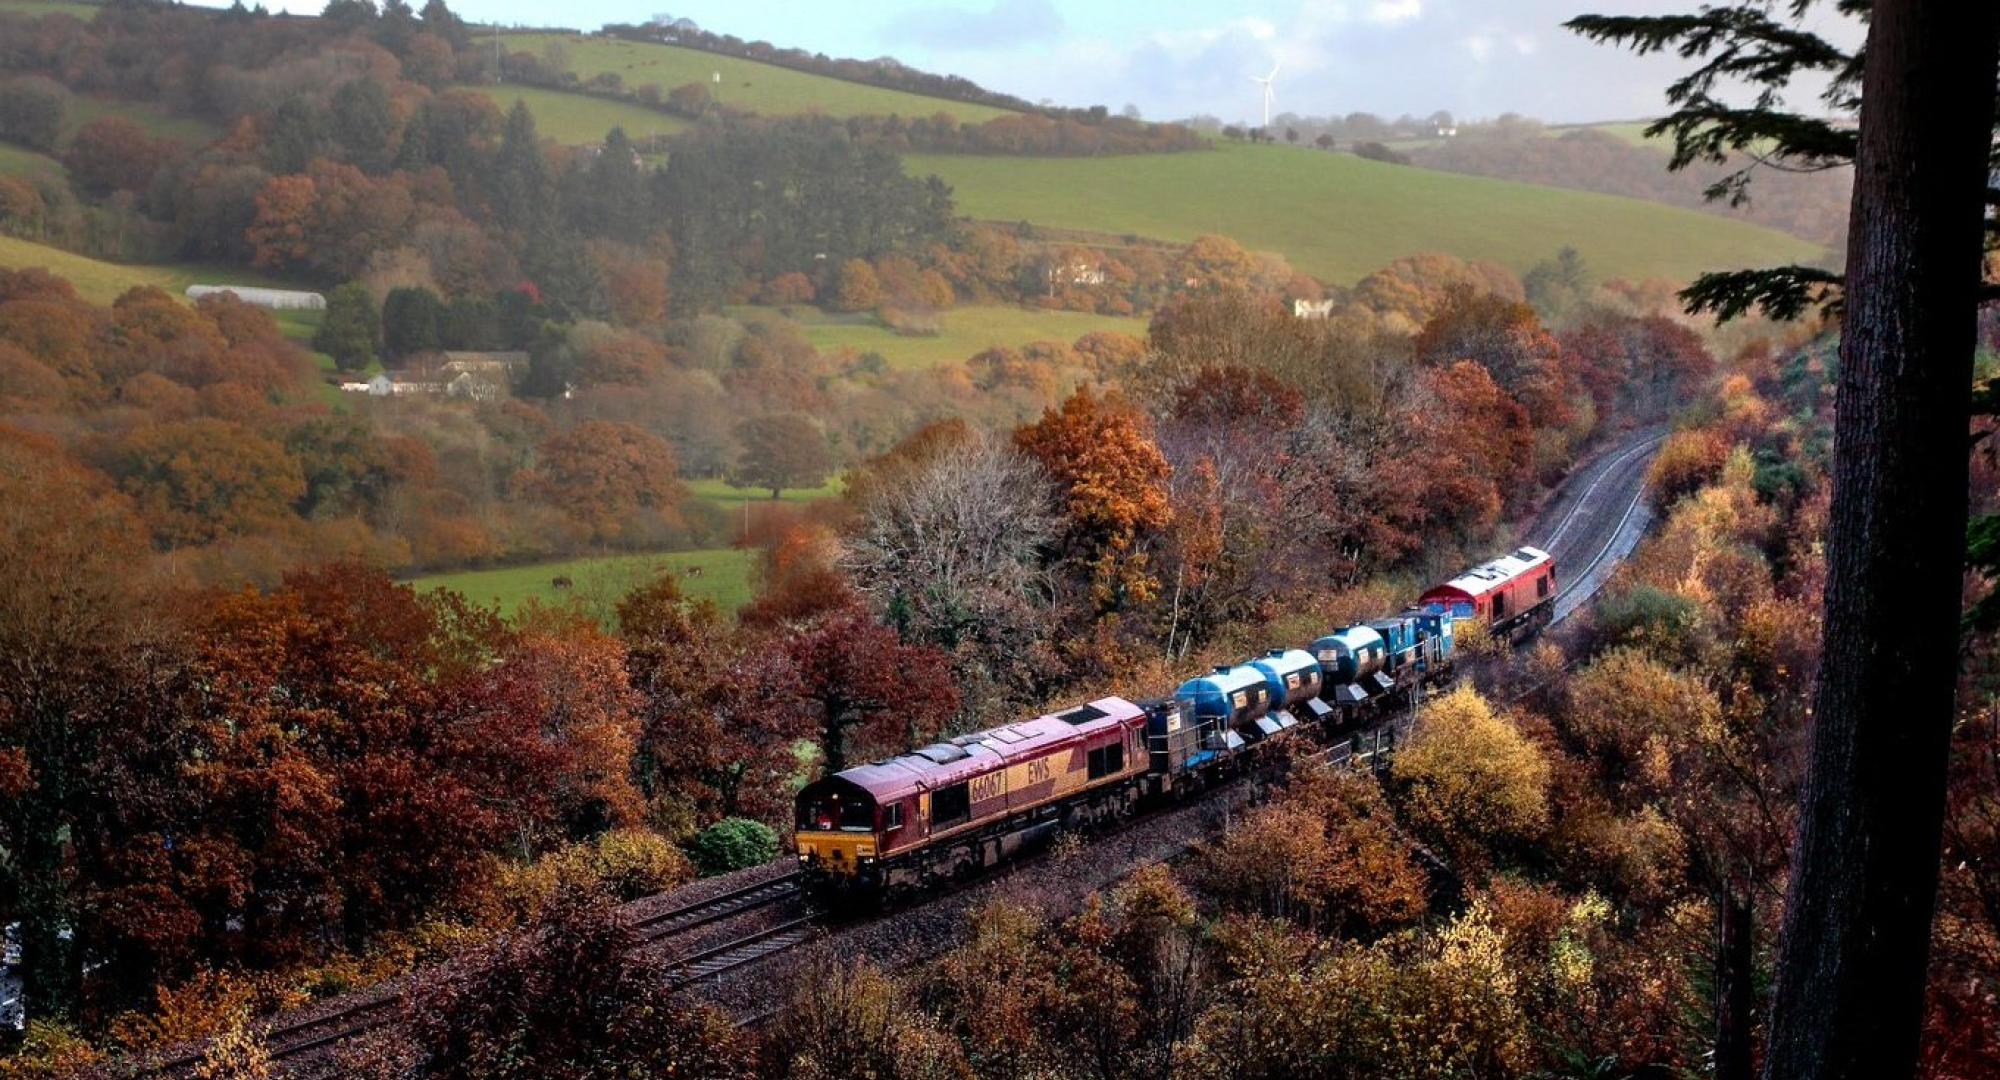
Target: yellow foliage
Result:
[1469, 779]
[48, 1051]
[235, 1054]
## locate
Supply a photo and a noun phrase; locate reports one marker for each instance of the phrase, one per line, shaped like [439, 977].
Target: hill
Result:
[580, 119]
[962, 331]
[1339, 217]
[746, 84]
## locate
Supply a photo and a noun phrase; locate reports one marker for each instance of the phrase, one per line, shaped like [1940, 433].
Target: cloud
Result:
[1008, 23]
[1390, 12]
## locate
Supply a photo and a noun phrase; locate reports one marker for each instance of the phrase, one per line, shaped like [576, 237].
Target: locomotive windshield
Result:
[833, 810]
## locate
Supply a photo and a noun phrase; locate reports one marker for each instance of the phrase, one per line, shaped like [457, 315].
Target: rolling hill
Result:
[579, 119]
[1339, 217]
[746, 84]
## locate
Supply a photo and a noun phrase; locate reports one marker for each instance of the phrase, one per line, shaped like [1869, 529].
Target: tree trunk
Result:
[1735, 985]
[1850, 986]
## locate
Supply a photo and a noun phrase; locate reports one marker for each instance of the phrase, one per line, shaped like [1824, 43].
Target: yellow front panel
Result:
[839, 852]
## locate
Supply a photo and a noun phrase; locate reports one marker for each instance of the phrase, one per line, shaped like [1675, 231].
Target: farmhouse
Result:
[1311, 309]
[274, 299]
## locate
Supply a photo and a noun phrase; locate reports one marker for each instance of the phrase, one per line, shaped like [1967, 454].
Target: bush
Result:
[733, 844]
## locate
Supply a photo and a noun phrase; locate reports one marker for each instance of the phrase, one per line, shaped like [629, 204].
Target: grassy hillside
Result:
[49, 7]
[962, 331]
[746, 84]
[17, 161]
[157, 121]
[599, 583]
[101, 282]
[579, 119]
[1338, 217]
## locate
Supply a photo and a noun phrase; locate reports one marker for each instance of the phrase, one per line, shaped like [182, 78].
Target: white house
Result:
[275, 299]
[1311, 309]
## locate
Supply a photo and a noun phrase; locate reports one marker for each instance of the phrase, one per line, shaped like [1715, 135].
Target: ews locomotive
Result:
[952, 808]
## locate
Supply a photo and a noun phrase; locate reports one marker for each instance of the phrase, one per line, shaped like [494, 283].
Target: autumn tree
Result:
[601, 472]
[781, 450]
[74, 648]
[571, 997]
[1111, 478]
[200, 480]
[1507, 339]
[113, 153]
[860, 687]
[857, 288]
[1470, 781]
[1859, 909]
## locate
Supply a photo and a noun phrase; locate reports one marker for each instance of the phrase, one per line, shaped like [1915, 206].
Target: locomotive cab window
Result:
[1542, 585]
[950, 805]
[1499, 604]
[1107, 760]
[833, 811]
[892, 817]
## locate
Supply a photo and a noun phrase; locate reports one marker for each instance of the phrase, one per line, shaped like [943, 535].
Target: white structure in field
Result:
[275, 299]
[1311, 309]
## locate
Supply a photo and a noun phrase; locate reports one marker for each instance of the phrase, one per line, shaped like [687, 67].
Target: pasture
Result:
[86, 12]
[1338, 217]
[598, 583]
[158, 122]
[746, 84]
[20, 161]
[579, 119]
[962, 331]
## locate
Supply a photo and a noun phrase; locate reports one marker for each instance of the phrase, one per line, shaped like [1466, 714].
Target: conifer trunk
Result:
[1850, 988]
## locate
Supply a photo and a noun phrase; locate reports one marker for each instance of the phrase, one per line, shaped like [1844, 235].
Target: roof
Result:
[1489, 576]
[939, 764]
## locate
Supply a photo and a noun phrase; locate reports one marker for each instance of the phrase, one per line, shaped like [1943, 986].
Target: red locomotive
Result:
[1514, 594]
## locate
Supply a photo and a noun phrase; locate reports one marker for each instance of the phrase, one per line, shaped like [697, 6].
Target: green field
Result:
[157, 121]
[962, 331]
[101, 282]
[579, 119]
[1338, 217]
[719, 491]
[598, 583]
[1632, 131]
[17, 161]
[746, 84]
[85, 12]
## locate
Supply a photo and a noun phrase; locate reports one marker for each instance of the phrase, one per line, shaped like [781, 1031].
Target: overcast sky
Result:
[1174, 58]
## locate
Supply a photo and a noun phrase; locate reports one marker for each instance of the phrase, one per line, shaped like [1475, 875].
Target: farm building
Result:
[275, 299]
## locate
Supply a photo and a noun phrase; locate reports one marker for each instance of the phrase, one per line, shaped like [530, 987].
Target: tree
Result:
[571, 998]
[363, 123]
[198, 481]
[733, 844]
[70, 642]
[601, 472]
[112, 153]
[32, 109]
[857, 684]
[858, 289]
[1470, 781]
[412, 319]
[782, 450]
[1112, 479]
[1850, 981]
[351, 328]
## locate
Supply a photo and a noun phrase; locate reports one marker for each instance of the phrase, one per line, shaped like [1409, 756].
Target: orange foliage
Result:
[1101, 453]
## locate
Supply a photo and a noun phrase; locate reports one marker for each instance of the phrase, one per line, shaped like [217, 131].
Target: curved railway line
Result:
[1597, 528]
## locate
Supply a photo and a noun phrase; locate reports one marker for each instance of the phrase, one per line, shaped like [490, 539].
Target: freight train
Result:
[949, 810]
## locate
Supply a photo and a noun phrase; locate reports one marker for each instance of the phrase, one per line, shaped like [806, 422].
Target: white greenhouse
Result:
[275, 299]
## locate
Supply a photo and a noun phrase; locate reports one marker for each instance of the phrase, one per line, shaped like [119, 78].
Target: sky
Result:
[1179, 58]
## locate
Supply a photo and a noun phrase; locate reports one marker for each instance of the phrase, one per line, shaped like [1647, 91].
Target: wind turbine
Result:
[1266, 83]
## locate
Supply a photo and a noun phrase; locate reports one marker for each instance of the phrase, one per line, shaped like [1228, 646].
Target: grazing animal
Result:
[692, 571]
[561, 584]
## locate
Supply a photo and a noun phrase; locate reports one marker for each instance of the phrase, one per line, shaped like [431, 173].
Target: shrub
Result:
[733, 844]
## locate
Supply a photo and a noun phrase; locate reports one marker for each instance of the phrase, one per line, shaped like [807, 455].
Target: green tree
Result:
[1851, 974]
[363, 123]
[733, 844]
[32, 109]
[783, 450]
[523, 195]
[351, 329]
[412, 321]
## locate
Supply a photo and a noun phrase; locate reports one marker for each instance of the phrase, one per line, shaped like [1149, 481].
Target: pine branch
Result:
[1780, 292]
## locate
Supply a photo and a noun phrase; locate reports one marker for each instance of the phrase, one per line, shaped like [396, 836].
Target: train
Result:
[950, 810]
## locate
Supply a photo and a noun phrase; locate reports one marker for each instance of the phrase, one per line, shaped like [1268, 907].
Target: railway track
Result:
[1613, 496]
